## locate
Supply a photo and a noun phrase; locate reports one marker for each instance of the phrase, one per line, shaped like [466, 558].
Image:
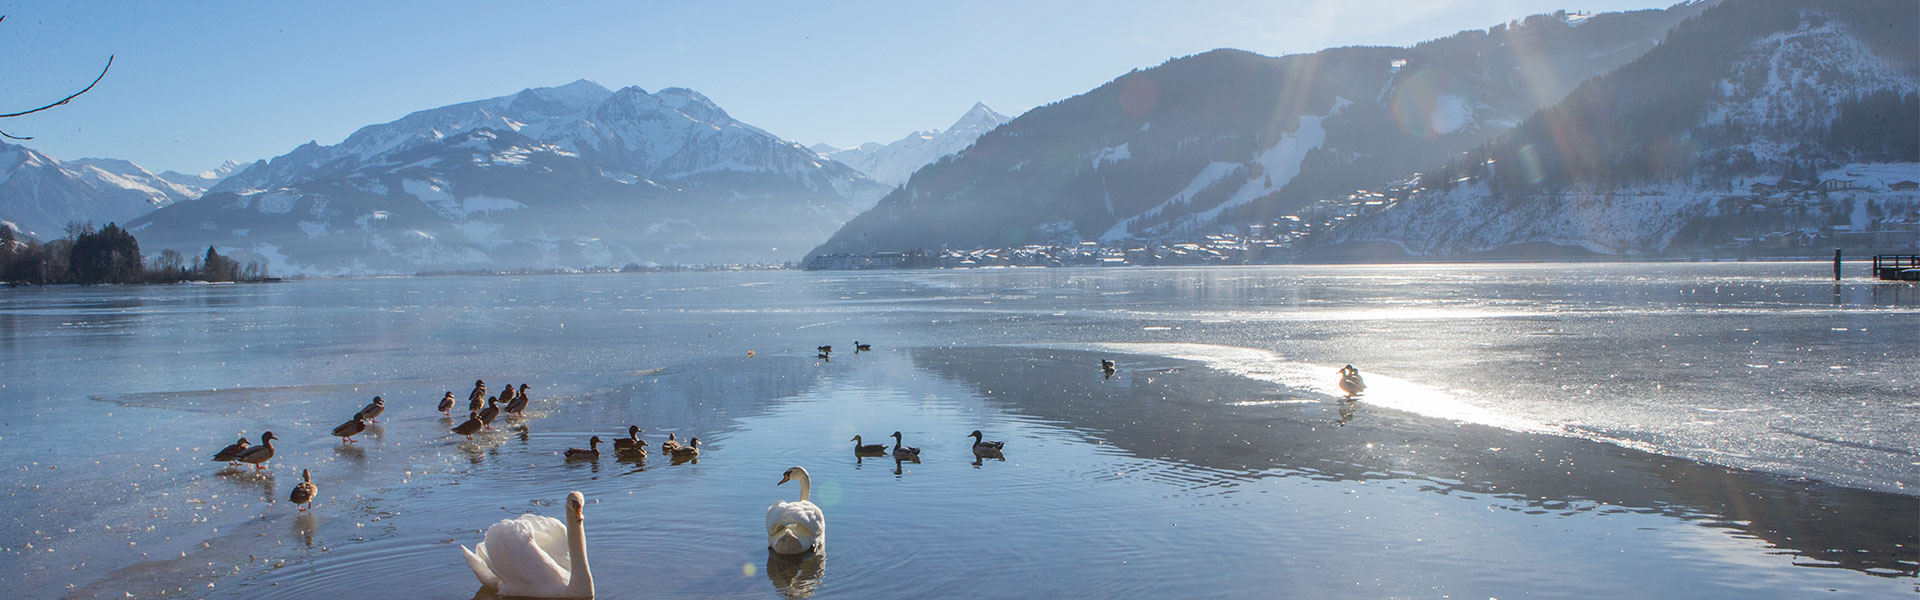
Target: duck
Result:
[692, 449]
[900, 451]
[828, 349]
[477, 396]
[859, 448]
[471, 426]
[1108, 366]
[519, 402]
[446, 403]
[859, 347]
[592, 450]
[667, 447]
[506, 395]
[259, 455]
[631, 446]
[371, 412]
[231, 453]
[304, 493]
[536, 556]
[796, 527]
[984, 445]
[491, 412]
[1350, 381]
[347, 430]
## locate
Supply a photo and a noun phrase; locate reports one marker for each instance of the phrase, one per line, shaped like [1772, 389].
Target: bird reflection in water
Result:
[899, 463]
[681, 459]
[304, 526]
[979, 457]
[1346, 411]
[249, 478]
[355, 454]
[796, 576]
[374, 431]
[521, 432]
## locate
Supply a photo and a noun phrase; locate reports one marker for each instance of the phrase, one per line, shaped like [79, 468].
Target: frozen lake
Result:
[1653, 430]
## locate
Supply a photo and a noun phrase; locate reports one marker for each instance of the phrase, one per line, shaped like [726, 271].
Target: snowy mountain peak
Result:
[893, 163]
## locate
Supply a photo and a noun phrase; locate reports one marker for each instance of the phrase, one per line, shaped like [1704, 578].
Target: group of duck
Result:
[480, 416]
[826, 352]
[981, 447]
[631, 447]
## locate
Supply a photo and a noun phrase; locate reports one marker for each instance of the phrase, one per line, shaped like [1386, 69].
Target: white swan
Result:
[522, 557]
[796, 527]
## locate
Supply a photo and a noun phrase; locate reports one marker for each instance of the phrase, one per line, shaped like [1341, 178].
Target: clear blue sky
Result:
[196, 83]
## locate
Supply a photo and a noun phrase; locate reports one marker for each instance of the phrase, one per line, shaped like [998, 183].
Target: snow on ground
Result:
[1450, 113]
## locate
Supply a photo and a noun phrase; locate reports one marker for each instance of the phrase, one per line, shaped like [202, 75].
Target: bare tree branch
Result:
[96, 81]
[69, 98]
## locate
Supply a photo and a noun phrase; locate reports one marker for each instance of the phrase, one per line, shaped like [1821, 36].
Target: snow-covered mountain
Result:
[40, 195]
[892, 163]
[1226, 137]
[204, 180]
[1760, 127]
[570, 176]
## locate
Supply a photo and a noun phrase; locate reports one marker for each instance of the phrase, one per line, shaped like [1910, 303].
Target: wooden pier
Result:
[1897, 267]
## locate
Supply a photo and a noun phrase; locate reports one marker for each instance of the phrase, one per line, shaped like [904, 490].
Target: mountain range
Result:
[569, 176]
[1227, 136]
[892, 163]
[1758, 127]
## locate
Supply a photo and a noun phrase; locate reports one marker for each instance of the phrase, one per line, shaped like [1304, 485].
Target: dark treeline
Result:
[110, 255]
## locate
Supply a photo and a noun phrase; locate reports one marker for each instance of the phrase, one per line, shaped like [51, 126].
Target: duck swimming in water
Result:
[904, 452]
[984, 446]
[868, 449]
[631, 445]
[590, 452]
[691, 450]
[667, 447]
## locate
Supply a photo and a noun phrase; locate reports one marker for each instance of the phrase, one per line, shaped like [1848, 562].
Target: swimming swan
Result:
[524, 556]
[796, 527]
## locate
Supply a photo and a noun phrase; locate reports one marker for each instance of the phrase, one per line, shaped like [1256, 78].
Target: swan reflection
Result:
[796, 576]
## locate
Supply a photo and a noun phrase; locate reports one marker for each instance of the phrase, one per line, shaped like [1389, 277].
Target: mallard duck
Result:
[478, 396]
[371, 412]
[304, 493]
[471, 426]
[259, 455]
[1350, 381]
[631, 446]
[692, 449]
[491, 412]
[984, 445]
[900, 451]
[446, 403]
[859, 347]
[231, 453]
[347, 430]
[591, 451]
[506, 395]
[875, 449]
[667, 447]
[519, 402]
[799, 526]
[825, 349]
[536, 556]
[1107, 366]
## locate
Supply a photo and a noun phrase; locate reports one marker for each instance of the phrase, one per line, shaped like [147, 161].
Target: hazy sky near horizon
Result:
[196, 83]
